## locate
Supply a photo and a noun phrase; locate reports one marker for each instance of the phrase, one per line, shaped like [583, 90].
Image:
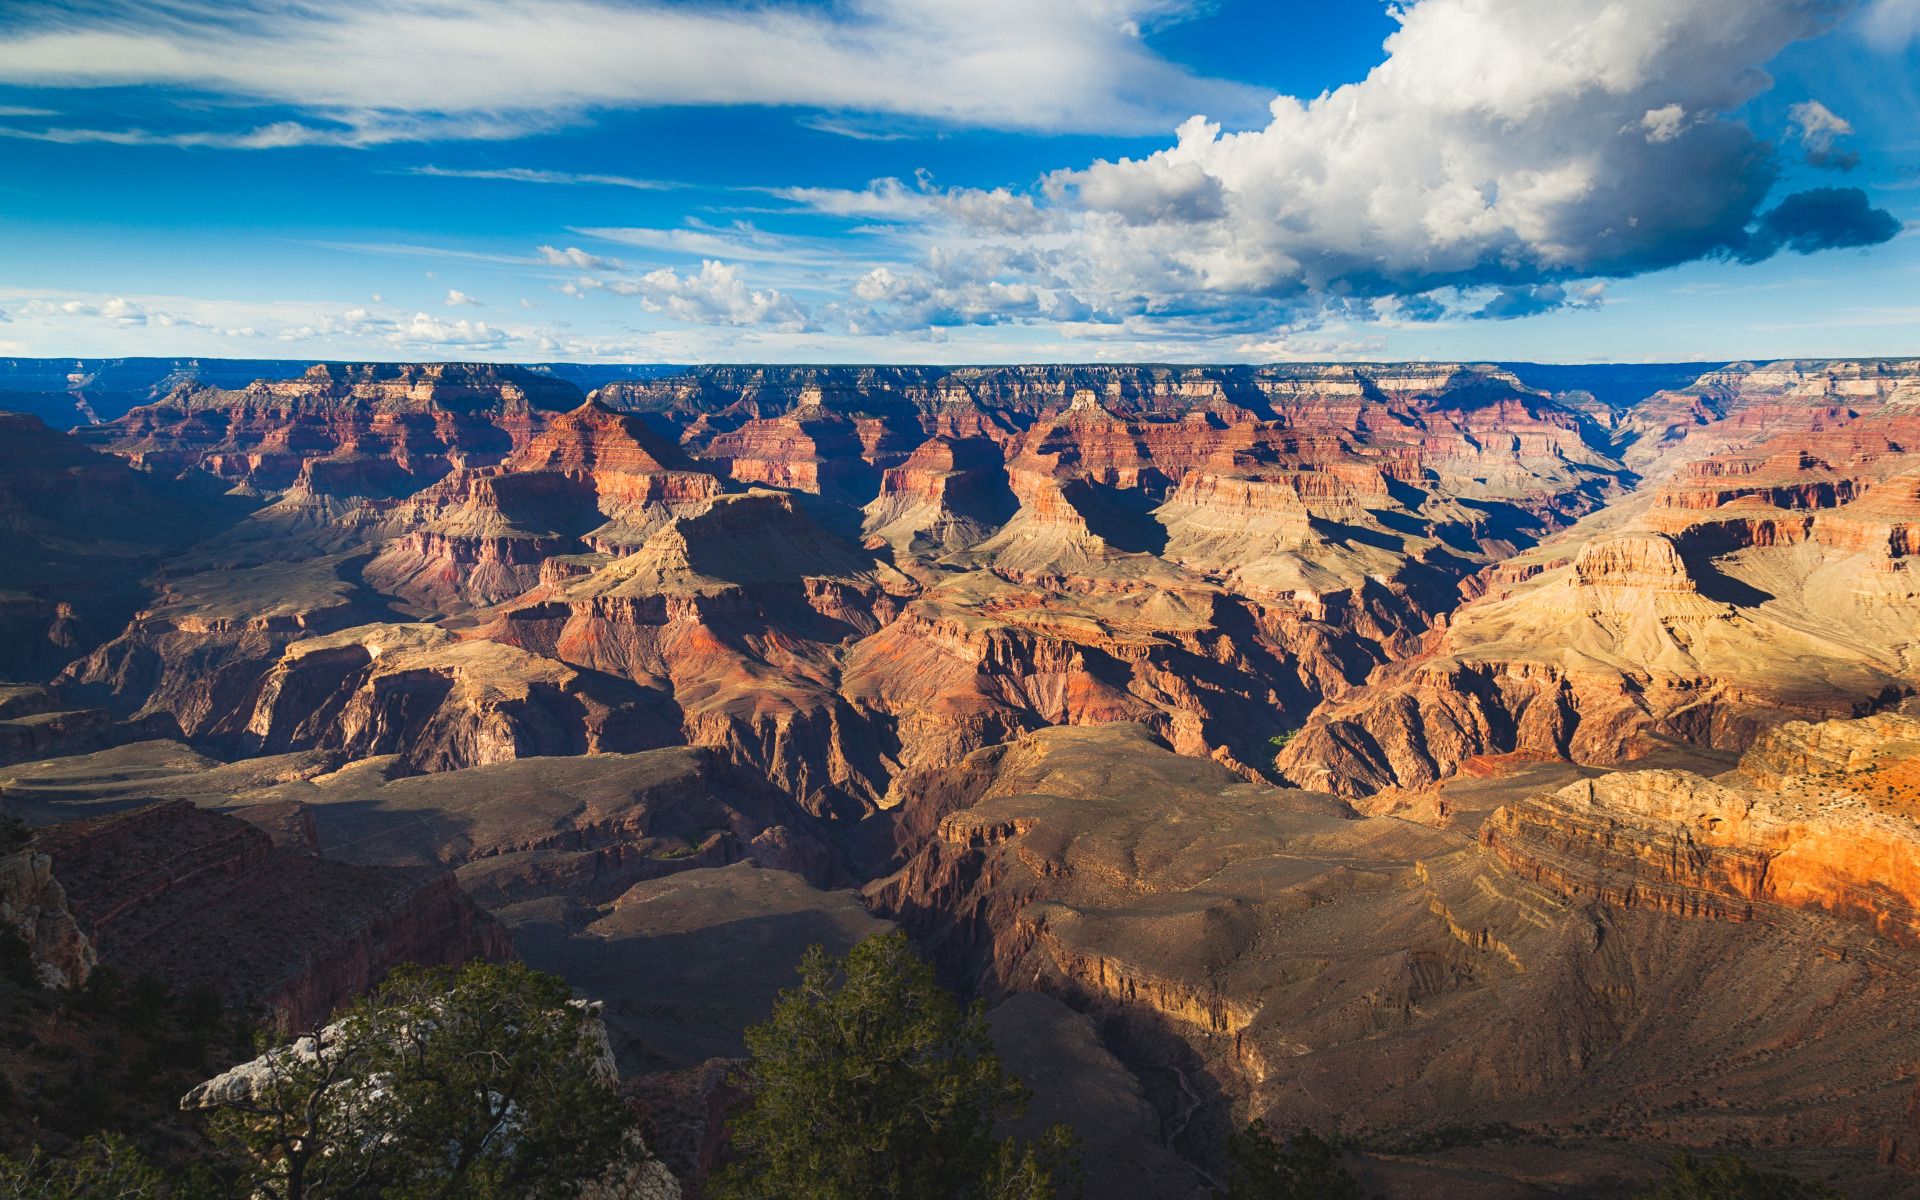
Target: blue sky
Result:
[937, 181]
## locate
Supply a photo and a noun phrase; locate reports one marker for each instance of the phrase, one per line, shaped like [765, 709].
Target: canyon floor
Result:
[1513, 768]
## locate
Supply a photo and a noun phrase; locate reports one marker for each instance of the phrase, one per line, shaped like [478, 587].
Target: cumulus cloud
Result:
[428, 330]
[116, 310]
[1505, 155]
[456, 299]
[1818, 128]
[716, 295]
[1068, 64]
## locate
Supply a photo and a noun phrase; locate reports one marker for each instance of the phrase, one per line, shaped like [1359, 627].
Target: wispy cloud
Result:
[352, 130]
[391, 70]
[743, 241]
[574, 256]
[527, 175]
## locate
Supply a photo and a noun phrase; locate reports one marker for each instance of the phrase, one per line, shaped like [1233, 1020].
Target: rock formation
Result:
[1566, 975]
[1752, 588]
[1033, 654]
[196, 898]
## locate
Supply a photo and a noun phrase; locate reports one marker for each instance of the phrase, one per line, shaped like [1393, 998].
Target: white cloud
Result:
[1818, 128]
[742, 241]
[1663, 124]
[1891, 24]
[525, 175]
[347, 128]
[718, 296]
[1515, 145]
[573, 256]
[501, 65]
[455, 299]
[428, 330]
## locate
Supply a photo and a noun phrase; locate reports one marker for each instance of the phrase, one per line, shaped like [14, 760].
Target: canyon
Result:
[1510, 766]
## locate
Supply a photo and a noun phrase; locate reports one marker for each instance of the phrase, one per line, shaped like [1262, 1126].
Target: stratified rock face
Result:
[740, 610]
[811, 449]
[196, 653]
[593, 480]
[196, 898]
[948, 495]
[1823, 820]
[378, 430]
[1406, 978]
[77, 530]
[1745, 404]
[438, 703]
[1758, 586]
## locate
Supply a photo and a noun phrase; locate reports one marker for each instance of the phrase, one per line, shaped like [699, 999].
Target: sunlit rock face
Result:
[1768, 582]
[1033, 655]
[389, 428]
[1817, 817]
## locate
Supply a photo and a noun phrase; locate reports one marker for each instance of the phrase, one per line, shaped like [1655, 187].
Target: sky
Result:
[956, 181]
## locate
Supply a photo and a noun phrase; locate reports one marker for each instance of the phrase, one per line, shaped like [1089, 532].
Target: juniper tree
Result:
[482, 1082]
[870, 1082]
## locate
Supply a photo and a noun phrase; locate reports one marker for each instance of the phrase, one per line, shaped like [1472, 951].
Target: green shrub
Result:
[870, 1082]
[1729, 1177]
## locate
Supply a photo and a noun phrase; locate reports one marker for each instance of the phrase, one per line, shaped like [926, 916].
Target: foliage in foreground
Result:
[869, 1082]
[1305, 1167]
[106, 1167]
[1730, 1177]
[479, 1082]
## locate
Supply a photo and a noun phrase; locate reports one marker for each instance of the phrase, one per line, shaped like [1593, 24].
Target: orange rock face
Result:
[1801, 835]
[593, 480]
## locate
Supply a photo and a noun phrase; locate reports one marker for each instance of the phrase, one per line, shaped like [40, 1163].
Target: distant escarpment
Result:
[1753, 588]
[379, 430]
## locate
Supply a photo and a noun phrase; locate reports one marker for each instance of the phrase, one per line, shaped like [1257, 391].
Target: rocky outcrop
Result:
[811, 449]
[438, 703]
[34, 906]
[948, 495]
[1307, 965]
[196, 898]
[195, 654]
[738, 610]
[1708, 633]
[593, 480]
[245, 1085]
[1811, 829]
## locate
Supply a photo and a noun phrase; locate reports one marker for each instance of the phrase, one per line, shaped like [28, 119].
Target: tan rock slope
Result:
[1755, 587]
[660, 675]
[1608, 961]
